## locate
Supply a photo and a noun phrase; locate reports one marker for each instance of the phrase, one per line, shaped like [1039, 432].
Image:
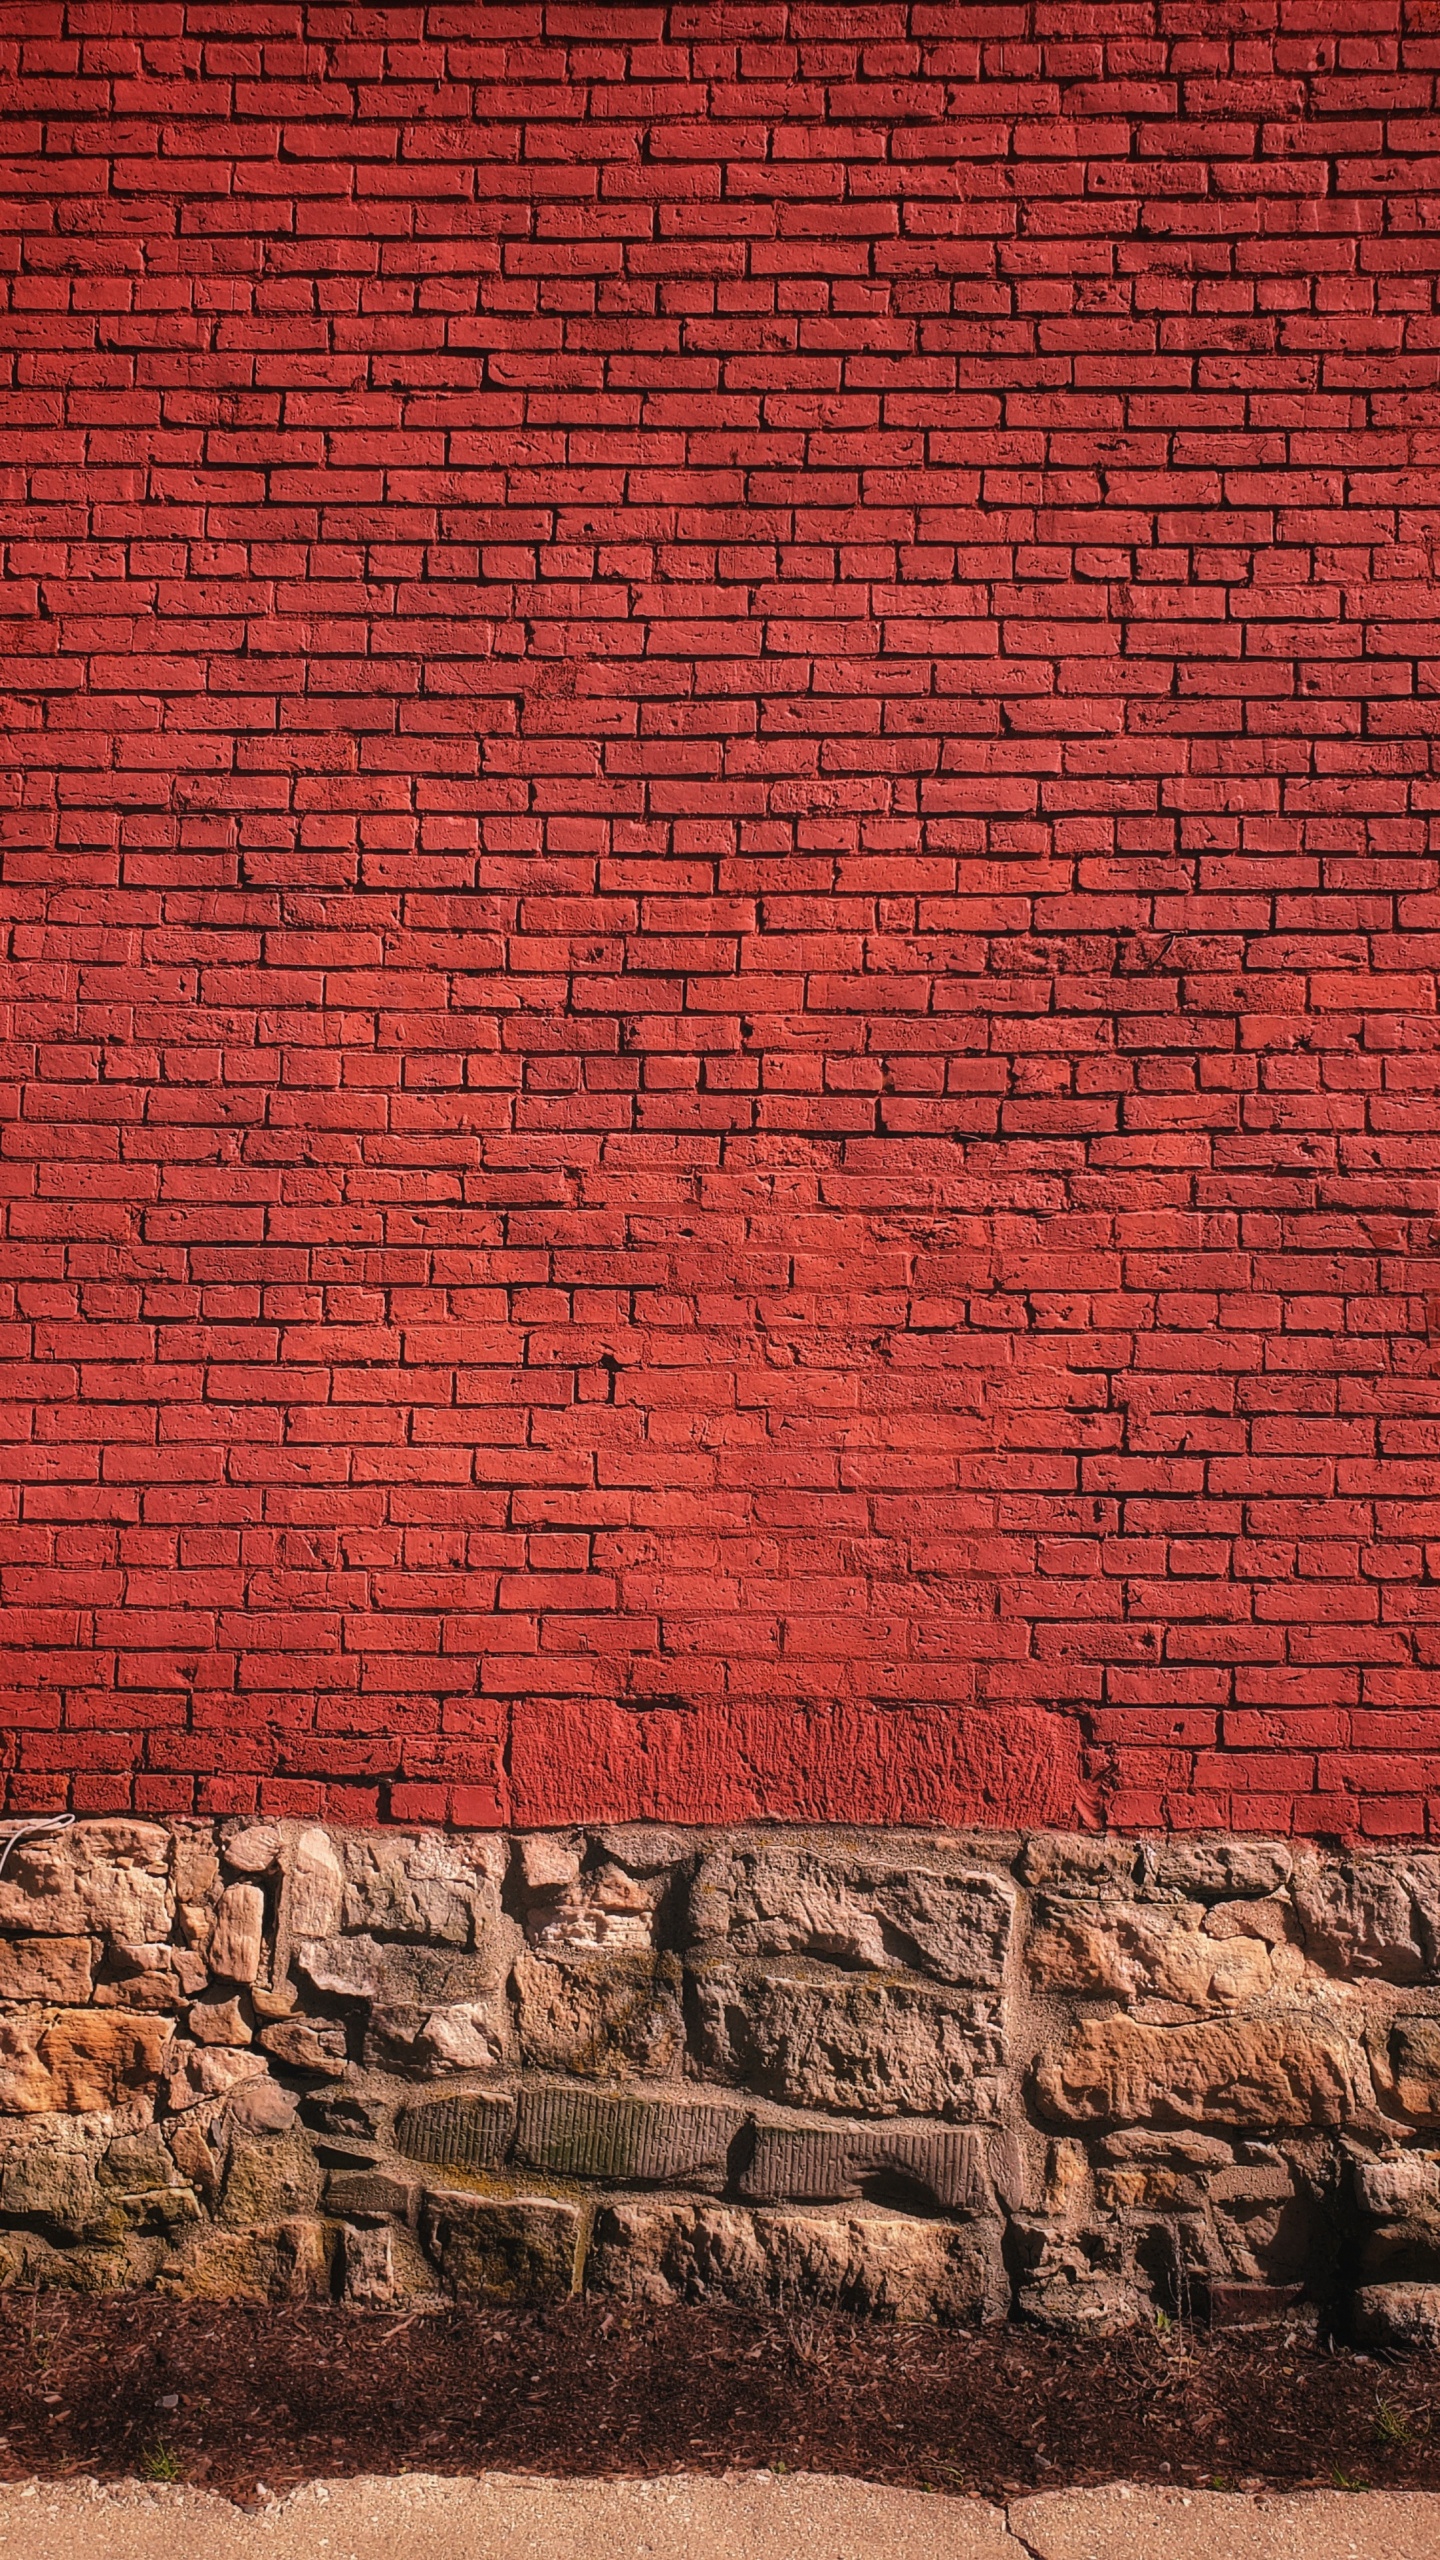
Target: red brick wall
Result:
[718, 813]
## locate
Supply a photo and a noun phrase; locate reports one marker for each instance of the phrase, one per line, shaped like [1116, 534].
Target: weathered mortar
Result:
[935, 2076]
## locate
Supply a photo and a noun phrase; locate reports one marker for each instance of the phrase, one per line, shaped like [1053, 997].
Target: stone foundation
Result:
[943, 2077]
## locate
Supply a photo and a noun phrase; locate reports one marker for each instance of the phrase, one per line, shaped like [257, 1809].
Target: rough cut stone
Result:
[315, 2046]
[606, 1909]
[75, 2061]
[469, 2035]
[656, 2252]
[471, 2132]
[1137, 1951]
[1398, 2315]
[584, 2133]
[314, 1891]
[53, 1969]
[1217, 1870]
[1067, 1862]
[1289, 2073]
[1371, 1915]
[1390, 2189]
[1218, 2035]
[221, 2021]
[815, 2164]
[767, 1900]
[253, 1851]
[57, 2188]
[283, 2262]
[396, 1974]
[1415, 2059]
[239, 1934]
[854, 2043]
[429, 1887]
[269, 2179]
[103, 1879]
[599, 2017]
[513, 2249]
[198, 2072]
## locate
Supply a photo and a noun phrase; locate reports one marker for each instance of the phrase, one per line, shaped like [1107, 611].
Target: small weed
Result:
[157, 2462]
[1163, 2324]
[1343, 2480]
[1392, 2426]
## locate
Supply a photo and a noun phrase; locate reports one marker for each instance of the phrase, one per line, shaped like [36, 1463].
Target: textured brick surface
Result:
[717, 810]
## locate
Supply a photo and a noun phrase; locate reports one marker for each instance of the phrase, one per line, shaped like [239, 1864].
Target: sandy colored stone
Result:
[1415, 2060]
[628, 2141]
[869, 2261]
[75, 2061]
[1134, 1951]
[102, 1879]
[606, 1908]
[855, 2043]
[429, 1886]
[285, 2262]
[1286, 2073]
[1372, 1914]
[600, 2016]
[255, 1850]
[502, 2249]
[238, 1936]
[814, 2163]
[313, 1895]
[842, 1907]
[269, 2180]
[49, 1969]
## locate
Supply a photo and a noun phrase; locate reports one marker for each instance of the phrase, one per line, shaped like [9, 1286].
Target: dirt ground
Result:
[229, 2396]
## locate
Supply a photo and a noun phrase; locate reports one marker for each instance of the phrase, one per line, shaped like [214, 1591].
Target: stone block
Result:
[948, 2165]
[639, 2141]
[856, 2044]
[103, 1879]
[237, 1940]
[269, 2178]
[397, 1974]
[1415, 2061]
[1084, 1863]
[313, 1895]
[600, 2016]
[288, 2261]
[253, 1850]
[315, 2046]
[1389, 2190]
[470, 2132]
[1377, 1914]
[1134, 1951]
[77, 2061]
[1220, 1870]
[49, 1969]
[844, 1908]
[1404, 2316]
[470, 2035]
[661, 2252]
[502, 2249]
[429, 1886]
[1293, 2073]
[370, 2195]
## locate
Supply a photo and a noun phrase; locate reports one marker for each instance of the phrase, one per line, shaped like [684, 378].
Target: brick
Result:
[709, 854]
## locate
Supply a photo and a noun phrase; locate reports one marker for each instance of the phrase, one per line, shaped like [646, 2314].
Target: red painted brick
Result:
[718, 810]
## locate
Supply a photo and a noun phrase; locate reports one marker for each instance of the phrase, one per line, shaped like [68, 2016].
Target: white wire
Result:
[32, 1831]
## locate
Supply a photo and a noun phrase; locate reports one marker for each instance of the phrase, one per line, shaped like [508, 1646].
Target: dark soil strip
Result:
[232, 2397]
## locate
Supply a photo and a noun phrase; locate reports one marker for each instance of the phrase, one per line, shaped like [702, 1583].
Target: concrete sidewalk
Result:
[750, 2517]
